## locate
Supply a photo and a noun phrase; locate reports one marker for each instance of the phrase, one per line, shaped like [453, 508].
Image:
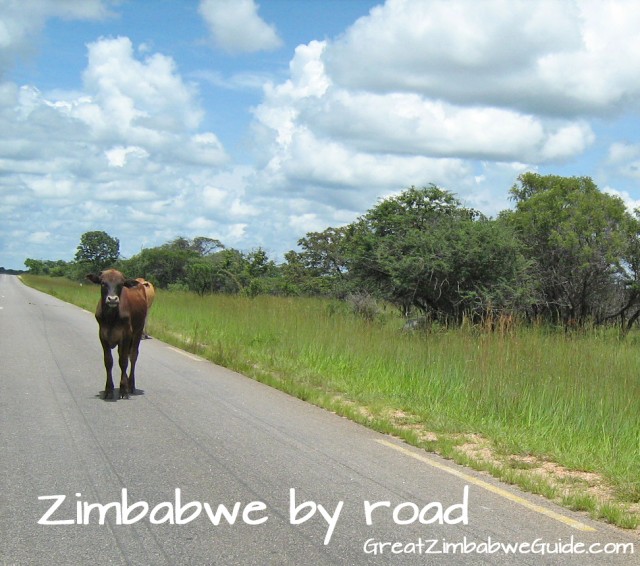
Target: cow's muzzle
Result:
[112, 301]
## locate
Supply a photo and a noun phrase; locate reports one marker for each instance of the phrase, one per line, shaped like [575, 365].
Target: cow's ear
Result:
[93, 278]
[131, 283]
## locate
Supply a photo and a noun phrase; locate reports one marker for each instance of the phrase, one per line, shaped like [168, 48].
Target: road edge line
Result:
[489, 487]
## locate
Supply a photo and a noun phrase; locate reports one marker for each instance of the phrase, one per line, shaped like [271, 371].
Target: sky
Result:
[256, 122]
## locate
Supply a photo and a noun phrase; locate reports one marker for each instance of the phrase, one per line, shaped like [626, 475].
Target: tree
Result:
[231, 268]
[36, 266]
[206, 246]
[163, 265]
[259, 264]
[200, 275]
[575, 237]
[169, 263]
[323, 252]
[320, 268]
[98, 250]
[45, 267]
[298, 278]
[423, 249]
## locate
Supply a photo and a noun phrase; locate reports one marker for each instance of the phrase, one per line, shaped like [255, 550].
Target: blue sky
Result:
[256, 122]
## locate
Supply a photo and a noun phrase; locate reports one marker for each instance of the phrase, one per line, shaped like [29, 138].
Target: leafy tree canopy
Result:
[424, 249]
[576, 237]
[98, 250]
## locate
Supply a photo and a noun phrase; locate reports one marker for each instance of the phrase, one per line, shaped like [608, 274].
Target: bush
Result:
[363, 305]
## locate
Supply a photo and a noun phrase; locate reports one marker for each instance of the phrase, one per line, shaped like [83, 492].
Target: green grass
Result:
[570, 399]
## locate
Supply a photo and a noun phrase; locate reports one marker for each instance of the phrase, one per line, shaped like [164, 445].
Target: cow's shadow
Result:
[116, 395]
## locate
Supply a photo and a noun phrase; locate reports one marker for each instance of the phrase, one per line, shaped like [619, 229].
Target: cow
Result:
[121, 314]
[151, 295]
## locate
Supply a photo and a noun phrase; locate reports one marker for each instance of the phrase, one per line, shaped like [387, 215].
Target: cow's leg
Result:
[108, 365]
[133, 356]
[123, 358]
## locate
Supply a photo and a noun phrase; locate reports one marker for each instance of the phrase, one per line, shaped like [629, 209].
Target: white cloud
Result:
[308, 222]
[213, 197]
[132, 98]
[22, 21]
[236, 233]
[127, 152]
[625, 158]
[414, 125]
[242, 209]
[201, 149]
[119, 191]
[325, 162]
[568, 141]
[315, 133]
[224, 203]
[621, 151]
[369, 114]
[545, 57]
[39, 237]
[51, 187]
[119, 156]
[598, 73]
[236, 26]
[201, 224]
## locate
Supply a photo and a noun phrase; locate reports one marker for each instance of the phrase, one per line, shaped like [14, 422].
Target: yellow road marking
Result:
[190, 356]
[489, 487]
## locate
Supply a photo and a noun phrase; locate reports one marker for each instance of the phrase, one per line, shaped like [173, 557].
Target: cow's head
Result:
[111, 282]
[143, 282]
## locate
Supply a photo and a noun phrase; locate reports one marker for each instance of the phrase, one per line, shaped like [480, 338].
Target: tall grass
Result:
[573, 399]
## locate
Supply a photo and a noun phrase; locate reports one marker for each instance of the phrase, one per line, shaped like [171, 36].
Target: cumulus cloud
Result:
[625, 157]
[317, 132]
[39, 237]
[127, 157]
[567, 141]
[236, 26]
[544, 57]
[459, 93]
[22, 21]
[119, 156]
[412, 124]
[129, 108]
[312, 161]
[133, 98]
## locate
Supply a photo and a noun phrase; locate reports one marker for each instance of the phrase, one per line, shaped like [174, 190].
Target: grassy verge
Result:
[556, 414]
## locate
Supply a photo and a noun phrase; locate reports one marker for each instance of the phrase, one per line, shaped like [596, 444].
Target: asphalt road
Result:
[223, 439]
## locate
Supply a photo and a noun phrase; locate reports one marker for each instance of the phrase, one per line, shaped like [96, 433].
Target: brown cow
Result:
[121, 314]
[151, 295]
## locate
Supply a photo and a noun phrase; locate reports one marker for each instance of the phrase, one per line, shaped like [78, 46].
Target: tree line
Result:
[567, 253]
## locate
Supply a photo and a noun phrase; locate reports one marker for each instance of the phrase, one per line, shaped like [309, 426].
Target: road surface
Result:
[159, 466]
